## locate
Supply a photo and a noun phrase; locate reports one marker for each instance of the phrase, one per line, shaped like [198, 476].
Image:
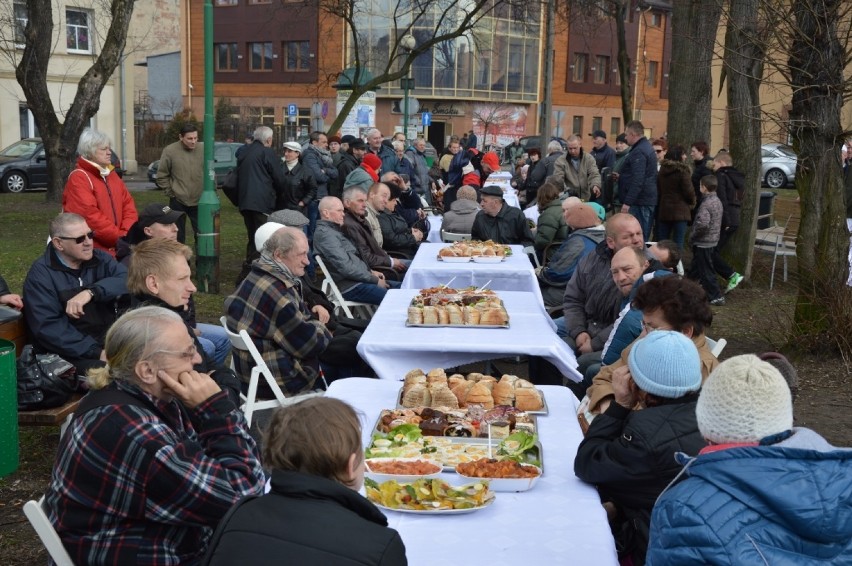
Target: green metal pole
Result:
[207, 272]
[405, 109]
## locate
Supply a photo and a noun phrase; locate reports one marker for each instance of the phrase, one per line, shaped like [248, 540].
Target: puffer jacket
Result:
[708, 222]
[551, 226]
[460, 217]
[787, 503]
[592, 300]
[420, 180]
[674, 190]
[299, 186]
[396, 234]
[340, 256]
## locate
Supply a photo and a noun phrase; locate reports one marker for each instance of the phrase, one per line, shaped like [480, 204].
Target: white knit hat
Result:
[264, 232]
[744, 400]
[665, 363]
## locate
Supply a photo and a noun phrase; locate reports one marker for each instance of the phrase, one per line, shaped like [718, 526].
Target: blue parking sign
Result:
[292, 110]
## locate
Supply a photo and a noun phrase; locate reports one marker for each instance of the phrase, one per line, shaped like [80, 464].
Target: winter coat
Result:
[261, 179]
[578, 182]
[708, 222]
[299, 186]
[730, 189]
[700, 169]
[320, 165]
[396, 234]
[604, 157]
[548, 164]
[358, 231]
[674, 189]
[508, 227]
[592, 300]
[785, 503]
[340, 256]
[563, 263]
[388, 156]
[103, 201]
[551, 227]
[460, 217]
[637, 183]
[630, 457]
[48, 287]
[310, 520]
[420, 180]
[535, 178]
[348, 163]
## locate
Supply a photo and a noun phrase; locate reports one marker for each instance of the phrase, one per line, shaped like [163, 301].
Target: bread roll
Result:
[436, 373]
[449, 251]
[504, 393]
[443, 397]
[470, 315]
[506, 378]
[417, 396]
[430, 315]
[413, 373]
[474, 376]
[493, 317]
[455, 379]
[455, 314]
[480, 395]
[528, 399]
[415, 315]
[443, 315]
[461, 390]
[524, 384]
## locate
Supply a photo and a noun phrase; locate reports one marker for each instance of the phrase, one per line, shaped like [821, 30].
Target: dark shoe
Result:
[718, 302]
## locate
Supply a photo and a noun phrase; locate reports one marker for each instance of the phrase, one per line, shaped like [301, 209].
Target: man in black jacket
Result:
[358, 231]
[349, 161]
[500, 222]
[261, 185]
[300, 187]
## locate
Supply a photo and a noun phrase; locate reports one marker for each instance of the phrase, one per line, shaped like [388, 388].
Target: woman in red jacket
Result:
[96, 192]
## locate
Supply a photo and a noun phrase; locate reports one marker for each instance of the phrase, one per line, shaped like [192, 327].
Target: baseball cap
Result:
[598, 134]
[159, 214]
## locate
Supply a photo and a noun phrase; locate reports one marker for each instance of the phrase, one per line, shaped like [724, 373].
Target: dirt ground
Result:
[753, 320]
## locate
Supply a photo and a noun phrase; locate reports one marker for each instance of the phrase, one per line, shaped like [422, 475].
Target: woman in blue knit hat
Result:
[629, 454]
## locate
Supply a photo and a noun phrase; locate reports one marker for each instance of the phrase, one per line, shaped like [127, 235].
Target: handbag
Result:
[231, 187]
[44, 380]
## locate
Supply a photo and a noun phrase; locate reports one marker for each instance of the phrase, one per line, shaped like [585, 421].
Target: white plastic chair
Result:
[530, 251]
[329, 287]
[773, 241]
[242, 341]
[44, 529]
[453, 236]
[716, 346]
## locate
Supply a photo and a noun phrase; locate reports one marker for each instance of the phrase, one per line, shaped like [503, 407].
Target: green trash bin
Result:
[8, 409]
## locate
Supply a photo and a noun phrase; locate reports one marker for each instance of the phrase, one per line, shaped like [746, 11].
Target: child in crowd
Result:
[313, 514]
[705, 236]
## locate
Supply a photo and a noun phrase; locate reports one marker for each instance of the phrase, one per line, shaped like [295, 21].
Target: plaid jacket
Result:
[131, 486]
[273, 312]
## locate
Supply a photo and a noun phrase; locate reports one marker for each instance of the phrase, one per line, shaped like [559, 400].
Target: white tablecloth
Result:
[514, 274]
[392, 348]
[559, 521]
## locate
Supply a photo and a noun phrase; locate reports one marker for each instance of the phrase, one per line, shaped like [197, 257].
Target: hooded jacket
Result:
[460, 217]
[730, 191]
[576, 246]
[674, 189]
[787, 503]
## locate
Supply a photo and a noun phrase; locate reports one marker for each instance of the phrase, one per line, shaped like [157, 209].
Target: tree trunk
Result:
[694, 25]
[743, 70]
[816, 65]
[623, 57]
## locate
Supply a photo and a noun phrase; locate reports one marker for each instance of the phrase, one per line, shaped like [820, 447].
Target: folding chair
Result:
[530, 251]
[44, 529]
[453, 236]
[777, 245]
[329, 287]
[242, 341]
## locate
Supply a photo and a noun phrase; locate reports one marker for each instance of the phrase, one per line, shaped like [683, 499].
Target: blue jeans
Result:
[215, 341]
[561, 329]
[645, 216]
[675, 231]
[369, 293]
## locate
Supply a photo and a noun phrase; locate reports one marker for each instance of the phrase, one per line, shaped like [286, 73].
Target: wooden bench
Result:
[49, 417]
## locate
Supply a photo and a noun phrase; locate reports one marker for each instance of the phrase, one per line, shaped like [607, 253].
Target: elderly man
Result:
[396, 234]
[420, 180]
[71, 294]
[269, 305]
[349, 161]
[261, 186]
[318, 161]
[461, 214]
[637, 180]
[300, 185]
[181, 176]
[500, 222]
[155, 455]
[376, 146]
[603, 154]
[354, 278]
[357, 229]
[577, 172]
[377, 201]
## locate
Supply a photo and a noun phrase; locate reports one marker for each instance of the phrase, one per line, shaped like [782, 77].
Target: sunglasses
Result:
[79, 239]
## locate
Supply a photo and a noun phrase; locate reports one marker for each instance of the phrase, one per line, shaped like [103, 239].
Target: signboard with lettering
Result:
[361, 115]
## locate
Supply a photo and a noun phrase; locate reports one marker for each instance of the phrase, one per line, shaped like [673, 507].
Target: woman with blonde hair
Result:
[313, 513]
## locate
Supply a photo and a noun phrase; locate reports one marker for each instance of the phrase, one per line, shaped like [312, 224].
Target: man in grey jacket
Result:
[577, 172]
[420, 181]
[353, 277]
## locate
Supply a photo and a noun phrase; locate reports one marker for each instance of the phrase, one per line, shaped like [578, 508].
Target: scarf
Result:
[281, 269]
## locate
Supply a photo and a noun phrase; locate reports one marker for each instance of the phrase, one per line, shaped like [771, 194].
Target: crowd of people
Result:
[158, 455]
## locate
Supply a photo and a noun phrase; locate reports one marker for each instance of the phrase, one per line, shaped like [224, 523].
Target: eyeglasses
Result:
[186, 354]
[79, 239]
[647, 328]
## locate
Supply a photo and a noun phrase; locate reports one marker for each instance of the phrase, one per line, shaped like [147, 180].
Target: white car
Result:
[778, 165]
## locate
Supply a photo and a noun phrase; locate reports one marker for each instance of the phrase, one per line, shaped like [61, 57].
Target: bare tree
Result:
[491, 117]
[60, 138]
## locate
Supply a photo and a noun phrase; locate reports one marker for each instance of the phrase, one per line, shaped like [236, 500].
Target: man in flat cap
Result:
[499, 222]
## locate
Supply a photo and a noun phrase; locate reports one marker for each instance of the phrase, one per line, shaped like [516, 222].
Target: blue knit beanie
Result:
[665, 363]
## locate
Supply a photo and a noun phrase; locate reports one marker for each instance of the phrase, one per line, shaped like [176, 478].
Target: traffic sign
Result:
[426, 118]
[292, 110]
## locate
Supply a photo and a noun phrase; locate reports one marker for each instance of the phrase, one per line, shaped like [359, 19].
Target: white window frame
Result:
[89, 28]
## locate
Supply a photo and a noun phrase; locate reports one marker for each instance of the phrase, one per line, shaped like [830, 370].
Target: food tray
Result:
[468, 259]
[505, 484]
[456, 325]
[542, 411]
[399, 406]
[436, 511]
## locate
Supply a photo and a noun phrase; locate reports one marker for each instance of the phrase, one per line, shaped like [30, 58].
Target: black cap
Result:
[158, 213]
[357, 144]
[621, 138]
[491, 191]
[348, 139]
[598, 134]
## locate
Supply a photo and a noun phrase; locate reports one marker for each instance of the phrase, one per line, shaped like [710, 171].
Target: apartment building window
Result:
[77, 37]
[298, 56]
[577, 125]
[656, 20]
[597, 123]
[652, 73]
[261, 115]
[260, 1]
[226, 56]
[581, 67]
[28, 125]
[615, 126]
[20, 10]
[601, 70]
[261, 56]
[225, 2]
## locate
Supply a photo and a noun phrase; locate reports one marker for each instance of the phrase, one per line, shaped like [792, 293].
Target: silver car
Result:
[778, 165]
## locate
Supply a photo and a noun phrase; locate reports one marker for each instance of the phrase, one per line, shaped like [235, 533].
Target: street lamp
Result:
[408, 43]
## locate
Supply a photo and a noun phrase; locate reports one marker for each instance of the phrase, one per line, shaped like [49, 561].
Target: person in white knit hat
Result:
[629, 454]
[763, 491]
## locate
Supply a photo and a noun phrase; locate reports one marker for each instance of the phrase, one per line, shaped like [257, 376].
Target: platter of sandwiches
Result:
[445, 306]
[474, 250]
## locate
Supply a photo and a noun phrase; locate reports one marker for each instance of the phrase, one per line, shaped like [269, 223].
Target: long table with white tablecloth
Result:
[559, 521]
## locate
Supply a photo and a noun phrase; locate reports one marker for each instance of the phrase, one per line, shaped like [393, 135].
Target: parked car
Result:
[224, 159]
[528, 142]
[23, 165]
[778, 165]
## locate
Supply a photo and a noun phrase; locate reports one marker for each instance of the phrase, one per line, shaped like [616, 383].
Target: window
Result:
[577, 125]
[601, 70]
[260, 1]
[226, 56]
[261, 115]
[225, 2]
[21, 18]
[656, 20]
[77, 31]
[581, 67]
[261, 56]
[652, 73]
[298, 56]
[615, 126]
[28, 125]
[597, 123]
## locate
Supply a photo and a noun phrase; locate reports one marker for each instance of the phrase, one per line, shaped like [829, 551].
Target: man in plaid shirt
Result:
[155, 455]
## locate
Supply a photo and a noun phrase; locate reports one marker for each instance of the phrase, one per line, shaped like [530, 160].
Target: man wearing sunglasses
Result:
[71, 294]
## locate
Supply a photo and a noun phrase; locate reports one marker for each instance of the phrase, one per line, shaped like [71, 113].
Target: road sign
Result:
[292, 110]
[426, 118]
[324, 109]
